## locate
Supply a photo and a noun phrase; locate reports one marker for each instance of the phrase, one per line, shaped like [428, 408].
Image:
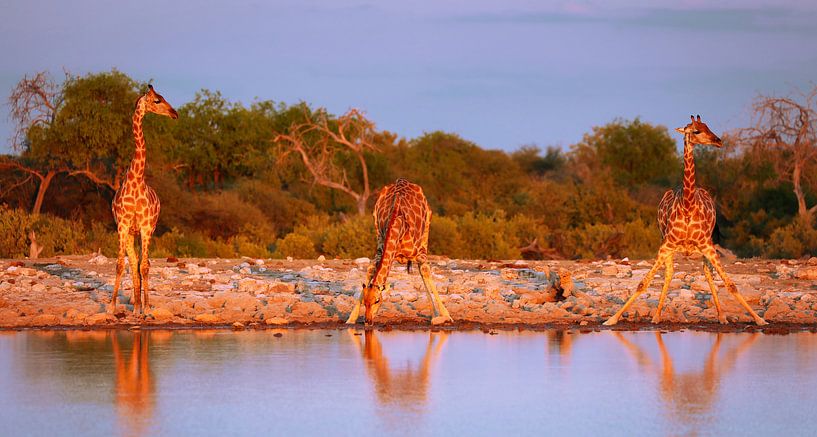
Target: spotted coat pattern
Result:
[686, 218]
[136, 206]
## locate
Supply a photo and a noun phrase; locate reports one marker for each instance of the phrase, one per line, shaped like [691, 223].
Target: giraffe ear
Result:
[699, 118]
[691, 117]
[150, 86]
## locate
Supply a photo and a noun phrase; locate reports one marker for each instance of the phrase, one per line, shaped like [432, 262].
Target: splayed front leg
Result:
[663, 252]
[353, 316]
[437, 303]
[667, 279]
[712, 257]
[708, 273]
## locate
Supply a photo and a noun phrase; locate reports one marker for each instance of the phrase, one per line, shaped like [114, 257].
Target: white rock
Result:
[259, 262]
[321, 258]
[362, 260]
[99, 260]
[289, 258]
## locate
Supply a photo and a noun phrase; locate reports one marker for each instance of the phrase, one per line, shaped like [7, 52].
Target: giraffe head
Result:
[698, 133]
[371, 299]
[155, 103]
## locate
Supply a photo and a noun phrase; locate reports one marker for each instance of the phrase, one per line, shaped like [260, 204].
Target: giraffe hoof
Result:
[761, 322]
[722, 320]
[610, 322]
[656, 320]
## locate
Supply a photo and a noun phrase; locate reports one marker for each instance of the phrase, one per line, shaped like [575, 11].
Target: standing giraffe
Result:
[401, 218]
[686, 218]
[136, 206]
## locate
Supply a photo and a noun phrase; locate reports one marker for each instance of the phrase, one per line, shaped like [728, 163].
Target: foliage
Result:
[298, 246]
[227, 189]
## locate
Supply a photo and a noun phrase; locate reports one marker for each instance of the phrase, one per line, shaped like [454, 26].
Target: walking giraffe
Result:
[136, 206]
[686, 218]
[401, 219]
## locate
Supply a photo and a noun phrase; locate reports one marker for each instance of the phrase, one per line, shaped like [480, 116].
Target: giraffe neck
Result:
[689, 174]
[387, 247]
[137, 165]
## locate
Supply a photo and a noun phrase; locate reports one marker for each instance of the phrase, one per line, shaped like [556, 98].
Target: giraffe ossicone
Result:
[687, 218]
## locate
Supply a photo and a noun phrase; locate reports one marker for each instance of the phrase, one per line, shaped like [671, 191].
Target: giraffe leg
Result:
[425, 272]
[667, 279]
[712, 257]
[714, 289]
[353, 316]
[133, 261]
[663, 252]
[120, 268]
[144, 268]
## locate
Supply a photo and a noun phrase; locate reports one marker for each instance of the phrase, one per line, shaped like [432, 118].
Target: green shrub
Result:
[792, 241]
[296, 245]
[487, 237]
[351, 239]
[444, 238]
[13, 229]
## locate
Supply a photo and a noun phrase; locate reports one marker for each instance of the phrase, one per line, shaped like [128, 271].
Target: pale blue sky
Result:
[502, 73]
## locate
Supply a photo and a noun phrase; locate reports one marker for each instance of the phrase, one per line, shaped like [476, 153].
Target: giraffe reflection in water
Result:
[406, 386]
[134, 388]
[690, 396]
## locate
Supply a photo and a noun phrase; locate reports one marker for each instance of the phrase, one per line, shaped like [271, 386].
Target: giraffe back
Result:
[692, 227]
[401, 214]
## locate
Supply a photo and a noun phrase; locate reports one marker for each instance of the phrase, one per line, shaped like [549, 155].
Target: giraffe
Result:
[689, 396]
[401, 218]
[405, 386]
[686, 218]
[136, 206]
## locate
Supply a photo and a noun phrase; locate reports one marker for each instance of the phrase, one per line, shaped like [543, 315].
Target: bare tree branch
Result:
[34, 100]
[319, 140]
[784, 133]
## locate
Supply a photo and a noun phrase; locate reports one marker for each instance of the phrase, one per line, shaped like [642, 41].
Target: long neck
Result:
[137, 166]
[387, 246]
[689, 173]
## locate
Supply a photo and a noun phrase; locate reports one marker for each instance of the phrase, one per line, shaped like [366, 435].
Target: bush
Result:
[57, 236]
[351, 239]
[444, 238]
[487, 237]
[296, 245]
[792, 241]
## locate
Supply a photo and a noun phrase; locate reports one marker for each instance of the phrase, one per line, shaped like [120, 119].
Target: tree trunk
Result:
[45, 181]
[361, 205]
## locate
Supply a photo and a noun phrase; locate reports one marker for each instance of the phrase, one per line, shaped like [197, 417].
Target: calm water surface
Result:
[406, 383]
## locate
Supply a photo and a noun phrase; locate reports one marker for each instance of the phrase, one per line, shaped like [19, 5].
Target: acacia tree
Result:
[784, 133]
[322, 143]
[79, 128]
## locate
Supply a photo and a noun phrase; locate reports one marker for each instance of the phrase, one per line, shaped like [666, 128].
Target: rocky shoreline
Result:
[74, 292]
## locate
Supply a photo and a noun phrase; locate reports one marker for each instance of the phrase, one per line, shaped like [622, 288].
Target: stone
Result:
[362, 261]
[439, 320]
[321, 258]
[807, 273]
[161, 314]
[207, 318]
[238, 326]
[777, 308]
[812, 261]
[609, 270]
[45, 320]
[276, 321]
[39, 288]
[100, 319]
